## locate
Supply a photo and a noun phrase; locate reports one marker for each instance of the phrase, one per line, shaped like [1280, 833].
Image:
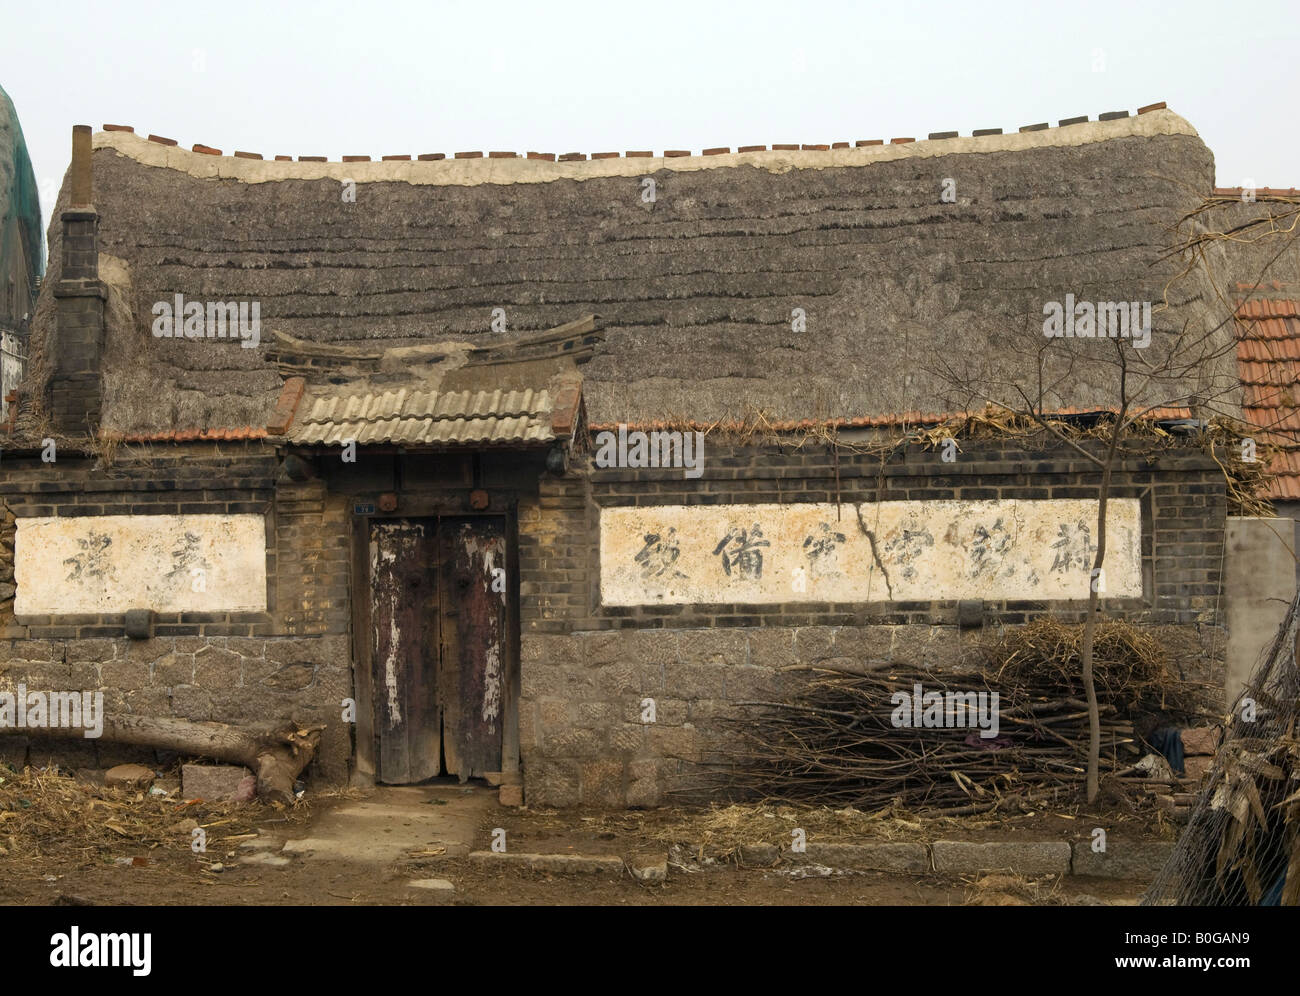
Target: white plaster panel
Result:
[873, 552]
[168, 563]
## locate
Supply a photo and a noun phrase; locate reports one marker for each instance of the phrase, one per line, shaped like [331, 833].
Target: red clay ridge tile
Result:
[429, 157]
[816, 148]
[284, 159]
[312, 159]
[396, 159]
[839, 145]
[638, 155]
[719, 151]
[109, 127]
[752, 148]
[785, 148]
[207, 150]
[901, 141]
[356, 159]
[162, 141]
[286, 406]
[604, 155]
[248, 155]
[503, 155]
[676, 153]
[870, 141]
[544, 156]
[568, 403]
[469, 155]
[1152, 107]
[573, 157]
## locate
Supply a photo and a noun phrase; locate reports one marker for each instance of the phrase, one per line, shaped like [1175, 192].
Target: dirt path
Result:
[364, 851]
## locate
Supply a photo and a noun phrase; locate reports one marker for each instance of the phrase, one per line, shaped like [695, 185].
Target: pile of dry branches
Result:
[842, 740]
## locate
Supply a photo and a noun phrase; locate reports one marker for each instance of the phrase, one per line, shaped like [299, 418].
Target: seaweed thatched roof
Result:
[698, 287]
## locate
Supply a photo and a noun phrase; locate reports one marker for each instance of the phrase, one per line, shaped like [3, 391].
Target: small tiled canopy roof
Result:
[1268, 361]
[524, 393]
[331, 416]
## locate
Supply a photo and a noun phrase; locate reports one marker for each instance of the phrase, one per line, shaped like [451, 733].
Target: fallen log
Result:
[276, 751]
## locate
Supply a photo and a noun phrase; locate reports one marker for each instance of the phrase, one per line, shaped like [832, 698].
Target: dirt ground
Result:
[433, 833]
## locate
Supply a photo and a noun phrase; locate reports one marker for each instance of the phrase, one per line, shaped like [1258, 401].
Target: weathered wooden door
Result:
[405, 615]
[472, 570]
[438, 614]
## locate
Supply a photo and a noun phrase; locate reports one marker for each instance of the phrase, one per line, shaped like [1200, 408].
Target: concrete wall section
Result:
[1259, 584]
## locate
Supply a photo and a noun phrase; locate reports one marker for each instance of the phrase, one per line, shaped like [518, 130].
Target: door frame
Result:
[365, 751]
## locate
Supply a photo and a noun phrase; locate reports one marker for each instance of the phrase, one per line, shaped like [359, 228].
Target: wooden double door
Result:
[438, 613]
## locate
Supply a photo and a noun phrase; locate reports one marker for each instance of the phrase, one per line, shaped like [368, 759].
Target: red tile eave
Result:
[232, 434]
[893, 419]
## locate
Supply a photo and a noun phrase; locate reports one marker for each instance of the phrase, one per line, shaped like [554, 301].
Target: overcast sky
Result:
[382, 78]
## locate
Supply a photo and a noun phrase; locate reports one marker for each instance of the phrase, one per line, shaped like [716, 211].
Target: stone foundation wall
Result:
[581, 731]
[586, 667]
[226, 679]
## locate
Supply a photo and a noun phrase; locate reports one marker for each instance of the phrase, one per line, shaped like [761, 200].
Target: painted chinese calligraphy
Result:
[745, 554]
[1074, 548]
[906, 547]
[92, 561]
[823, 551]
[659, 555]
[988, 549]
[187, 557]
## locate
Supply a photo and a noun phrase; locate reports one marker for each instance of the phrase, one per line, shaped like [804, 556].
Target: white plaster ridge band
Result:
[472, 172]
[101, 564]
[871, 552]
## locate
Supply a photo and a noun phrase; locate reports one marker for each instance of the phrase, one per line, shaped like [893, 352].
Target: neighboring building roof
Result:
[1268, 359]
[21, 236]
[803, 283]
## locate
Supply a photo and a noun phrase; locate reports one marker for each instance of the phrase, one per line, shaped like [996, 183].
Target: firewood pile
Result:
[910, 737]
[1241, 846]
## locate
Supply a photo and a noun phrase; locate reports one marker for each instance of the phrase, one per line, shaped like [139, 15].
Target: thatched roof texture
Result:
[700, 287]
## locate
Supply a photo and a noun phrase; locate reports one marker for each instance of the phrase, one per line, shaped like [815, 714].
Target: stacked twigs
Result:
[853, 740]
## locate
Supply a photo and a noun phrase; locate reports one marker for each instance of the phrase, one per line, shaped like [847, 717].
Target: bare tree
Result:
[1187, 369]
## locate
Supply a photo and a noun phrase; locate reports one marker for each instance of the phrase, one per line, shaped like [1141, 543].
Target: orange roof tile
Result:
[229, 434]
[1268, 363]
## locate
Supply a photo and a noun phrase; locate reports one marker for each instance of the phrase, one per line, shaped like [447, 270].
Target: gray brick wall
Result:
[225, 679]
[586, 667]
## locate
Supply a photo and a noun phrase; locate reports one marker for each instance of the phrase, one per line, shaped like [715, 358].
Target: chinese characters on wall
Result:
[168, 563]
[891, 551]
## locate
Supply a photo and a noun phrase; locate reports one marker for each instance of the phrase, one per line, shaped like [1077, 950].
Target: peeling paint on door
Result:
[438, 619]
[473, 552]
[404, 601]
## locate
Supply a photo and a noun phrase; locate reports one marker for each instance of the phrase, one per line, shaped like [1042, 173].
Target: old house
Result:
[526, 465]
[21, 258]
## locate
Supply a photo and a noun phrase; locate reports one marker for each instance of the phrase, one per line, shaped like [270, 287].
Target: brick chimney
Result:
[76, 387]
